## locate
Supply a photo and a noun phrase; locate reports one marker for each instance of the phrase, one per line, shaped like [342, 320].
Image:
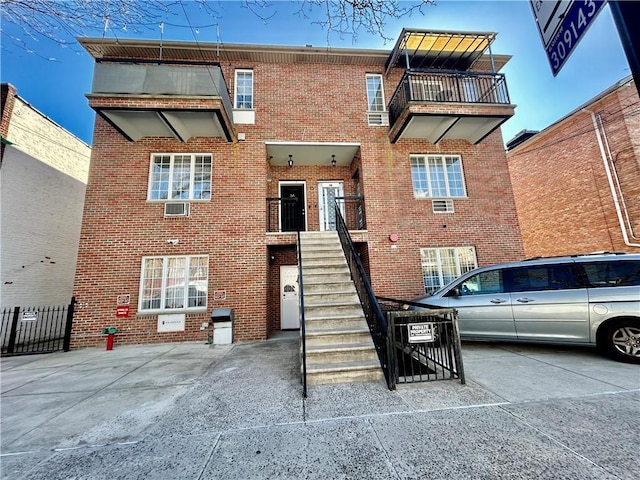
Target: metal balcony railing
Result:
[284, 214]
[449, 87]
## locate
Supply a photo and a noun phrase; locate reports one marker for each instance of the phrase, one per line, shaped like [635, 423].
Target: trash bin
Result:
[222, 319]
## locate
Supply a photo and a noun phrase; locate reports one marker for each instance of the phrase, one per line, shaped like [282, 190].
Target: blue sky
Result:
[55, 80]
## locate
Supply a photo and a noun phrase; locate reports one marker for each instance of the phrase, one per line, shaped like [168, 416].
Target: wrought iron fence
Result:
[36, 329]
[424, 345]
[352, 208]
[283, 215]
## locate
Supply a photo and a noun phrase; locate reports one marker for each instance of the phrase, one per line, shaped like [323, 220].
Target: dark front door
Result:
[292, 208]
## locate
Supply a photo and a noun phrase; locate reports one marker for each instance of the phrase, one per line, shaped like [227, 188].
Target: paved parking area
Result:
[191, 411]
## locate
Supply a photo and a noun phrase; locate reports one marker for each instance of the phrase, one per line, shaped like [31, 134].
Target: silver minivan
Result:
[582, 299]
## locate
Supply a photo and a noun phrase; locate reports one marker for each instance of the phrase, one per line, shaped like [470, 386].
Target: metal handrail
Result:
[303, 339]
[452, 87]
[372, 311]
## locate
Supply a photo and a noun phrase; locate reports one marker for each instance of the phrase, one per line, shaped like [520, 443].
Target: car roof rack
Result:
[575, 255]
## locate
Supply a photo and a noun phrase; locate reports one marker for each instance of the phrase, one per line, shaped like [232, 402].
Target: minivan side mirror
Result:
[454, 292]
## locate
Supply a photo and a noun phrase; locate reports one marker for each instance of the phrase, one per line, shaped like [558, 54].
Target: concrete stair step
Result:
[338, 337]
[343, 372]
[330, 298]
[323, 269]
[323, 261]
[310, 278]
[319, 310]
[352, 352]
[334, 318]
[329, 287]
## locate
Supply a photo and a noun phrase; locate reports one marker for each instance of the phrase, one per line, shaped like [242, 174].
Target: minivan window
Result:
[542, 277]
[483, 283]
[621, 273]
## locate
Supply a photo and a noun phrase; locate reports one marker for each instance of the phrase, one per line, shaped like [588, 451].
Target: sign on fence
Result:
[420, 332]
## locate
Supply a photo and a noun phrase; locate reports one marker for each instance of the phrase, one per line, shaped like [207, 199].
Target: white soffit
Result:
[310, 153]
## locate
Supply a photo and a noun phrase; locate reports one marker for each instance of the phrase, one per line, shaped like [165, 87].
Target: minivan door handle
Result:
[497, 300]
[524, 300]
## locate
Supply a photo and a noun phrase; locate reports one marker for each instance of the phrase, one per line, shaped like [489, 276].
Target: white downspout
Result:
[614, 193]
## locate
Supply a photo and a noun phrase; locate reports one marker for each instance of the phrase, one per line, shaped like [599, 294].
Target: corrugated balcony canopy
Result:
[427, 49]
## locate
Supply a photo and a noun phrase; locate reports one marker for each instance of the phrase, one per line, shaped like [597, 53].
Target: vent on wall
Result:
[176, 209]
[378, 118]
[443, 206]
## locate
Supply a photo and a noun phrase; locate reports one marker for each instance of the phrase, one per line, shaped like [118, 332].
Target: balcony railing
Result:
[285, 215]
[449, 87]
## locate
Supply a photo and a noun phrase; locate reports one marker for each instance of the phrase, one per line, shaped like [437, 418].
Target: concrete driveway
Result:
[191, 411]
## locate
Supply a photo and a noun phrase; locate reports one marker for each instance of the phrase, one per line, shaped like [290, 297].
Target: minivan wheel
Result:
[621, 340]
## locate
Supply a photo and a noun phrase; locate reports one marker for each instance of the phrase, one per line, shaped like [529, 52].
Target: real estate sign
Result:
[562, 23]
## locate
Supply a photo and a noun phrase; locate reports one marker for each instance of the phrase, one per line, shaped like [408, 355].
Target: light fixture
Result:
[290, 162]
[333, 160]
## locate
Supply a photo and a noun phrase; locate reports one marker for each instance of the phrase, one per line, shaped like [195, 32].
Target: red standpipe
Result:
[110, 338]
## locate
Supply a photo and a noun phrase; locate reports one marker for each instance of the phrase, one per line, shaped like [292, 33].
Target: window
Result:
[619, 273]
[437, 176]
[375, 93]
[376, 114]
[173, 283]
[244, 89]
[443, 265]
[483, 283]
[180, 176]
[542, 277]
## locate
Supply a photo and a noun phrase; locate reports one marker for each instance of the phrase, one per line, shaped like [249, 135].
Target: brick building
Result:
[43, 175]
[199, 148]
[577, 182]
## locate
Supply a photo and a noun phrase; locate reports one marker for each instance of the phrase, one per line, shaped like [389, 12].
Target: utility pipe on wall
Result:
[614, 193]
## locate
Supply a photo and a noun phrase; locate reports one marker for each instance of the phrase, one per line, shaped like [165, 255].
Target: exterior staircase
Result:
[338, 343]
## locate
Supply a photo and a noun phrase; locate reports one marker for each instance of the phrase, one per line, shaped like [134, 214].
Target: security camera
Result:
[173, 241]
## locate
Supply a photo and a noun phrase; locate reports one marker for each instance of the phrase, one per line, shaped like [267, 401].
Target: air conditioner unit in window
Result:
[378, 118]
[176, 209]
[443, 206]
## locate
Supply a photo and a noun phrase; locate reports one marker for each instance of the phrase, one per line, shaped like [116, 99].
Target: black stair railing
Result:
[303, 341]
[370, 306]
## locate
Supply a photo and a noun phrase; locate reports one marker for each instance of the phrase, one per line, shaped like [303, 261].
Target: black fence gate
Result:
[36, 329]
[424, 345]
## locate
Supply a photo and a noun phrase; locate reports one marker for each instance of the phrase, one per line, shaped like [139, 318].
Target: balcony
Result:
[437, 105]
[163, 99]
[287, 215]
[450, 88]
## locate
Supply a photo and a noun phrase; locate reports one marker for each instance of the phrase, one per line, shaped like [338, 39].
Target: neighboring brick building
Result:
[577, 182]
[43, 175]
[414, 154]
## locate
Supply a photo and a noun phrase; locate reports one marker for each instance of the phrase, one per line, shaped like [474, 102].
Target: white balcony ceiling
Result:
[309, 153]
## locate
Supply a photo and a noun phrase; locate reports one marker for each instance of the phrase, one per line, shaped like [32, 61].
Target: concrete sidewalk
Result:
[191, 411]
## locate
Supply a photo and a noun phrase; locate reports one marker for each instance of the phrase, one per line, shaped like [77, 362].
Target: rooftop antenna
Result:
[161, 32]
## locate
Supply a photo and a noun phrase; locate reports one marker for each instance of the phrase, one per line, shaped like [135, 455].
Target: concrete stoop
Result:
[339, 345]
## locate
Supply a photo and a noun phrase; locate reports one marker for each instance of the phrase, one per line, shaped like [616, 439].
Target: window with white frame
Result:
[437, 176]
[244, 89]
[375, 92]
[376, 113]
[180, 176]
[443, 265]
[173, 283]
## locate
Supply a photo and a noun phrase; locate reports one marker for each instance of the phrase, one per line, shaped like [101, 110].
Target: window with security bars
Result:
[436, 176]
[443, 265]
[173, 283]
[180, 176]
[244, 89]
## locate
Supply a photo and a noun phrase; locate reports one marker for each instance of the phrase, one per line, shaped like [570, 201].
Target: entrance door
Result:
[289, 314]
[327, 193]
[292, 209]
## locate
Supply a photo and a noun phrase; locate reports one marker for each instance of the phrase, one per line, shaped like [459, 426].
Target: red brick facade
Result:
[302, 102]
[561, 186]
